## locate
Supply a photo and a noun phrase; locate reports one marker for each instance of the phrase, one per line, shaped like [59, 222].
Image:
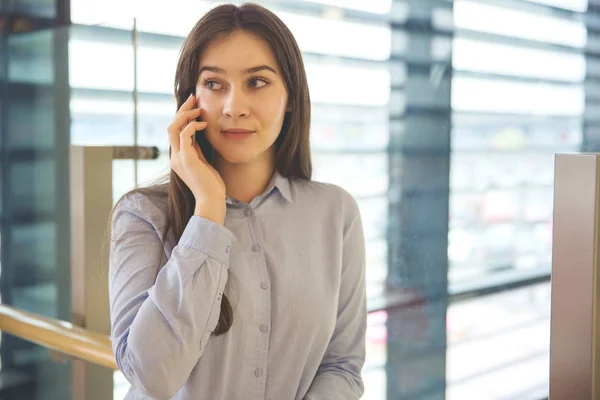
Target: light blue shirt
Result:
[294, 261]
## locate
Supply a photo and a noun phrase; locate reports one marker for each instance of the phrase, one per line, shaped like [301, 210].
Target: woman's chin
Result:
[237, 157]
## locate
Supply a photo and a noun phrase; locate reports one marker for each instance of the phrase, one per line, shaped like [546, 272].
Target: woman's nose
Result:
[236, 105]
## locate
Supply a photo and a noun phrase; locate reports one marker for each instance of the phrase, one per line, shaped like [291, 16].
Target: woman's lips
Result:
[237, 133]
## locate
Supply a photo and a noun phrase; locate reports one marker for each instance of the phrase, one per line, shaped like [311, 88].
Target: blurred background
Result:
[441, 117]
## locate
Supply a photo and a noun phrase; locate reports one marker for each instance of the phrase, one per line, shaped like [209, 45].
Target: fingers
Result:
[186, 142]
[188, 104]
[179, 123]
[184, 150]
[181, 119]
[186, 112]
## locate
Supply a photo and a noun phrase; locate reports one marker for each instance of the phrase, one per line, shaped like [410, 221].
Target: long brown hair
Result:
[293, 158]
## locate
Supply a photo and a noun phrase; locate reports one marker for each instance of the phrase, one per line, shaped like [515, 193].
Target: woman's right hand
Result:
[191, 166]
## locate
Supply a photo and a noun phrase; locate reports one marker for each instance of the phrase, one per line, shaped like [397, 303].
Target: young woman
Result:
[239, 278]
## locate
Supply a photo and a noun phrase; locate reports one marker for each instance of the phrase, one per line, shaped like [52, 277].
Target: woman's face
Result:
[242, 96]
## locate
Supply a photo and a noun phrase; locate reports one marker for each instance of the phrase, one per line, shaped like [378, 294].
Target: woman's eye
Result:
[212, 85]
[257, 83]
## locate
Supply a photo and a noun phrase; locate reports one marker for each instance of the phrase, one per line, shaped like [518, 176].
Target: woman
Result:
[240, 278]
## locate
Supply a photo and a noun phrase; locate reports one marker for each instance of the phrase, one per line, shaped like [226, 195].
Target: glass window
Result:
[442, 119]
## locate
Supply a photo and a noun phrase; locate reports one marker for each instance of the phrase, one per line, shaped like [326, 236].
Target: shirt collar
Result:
[282, 184]
[277, 181]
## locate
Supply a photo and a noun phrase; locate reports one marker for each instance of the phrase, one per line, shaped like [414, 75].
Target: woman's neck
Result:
[244, 182]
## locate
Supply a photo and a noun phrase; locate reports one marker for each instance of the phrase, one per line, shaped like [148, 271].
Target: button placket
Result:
[256, 247]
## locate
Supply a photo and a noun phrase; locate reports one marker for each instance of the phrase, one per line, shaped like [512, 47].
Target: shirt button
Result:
[248, 212]
[256, 248]
[227, 250]
[264, 285]
[258, 372]
[264, 328]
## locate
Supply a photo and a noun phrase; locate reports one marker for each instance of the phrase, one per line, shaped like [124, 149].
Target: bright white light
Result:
[473, 94]
[88, 70]
[331, 84]
[160, 77]
[479, 56]
[375, 7]
[121, 107]
[573, 5]
[503, 21]
[328, 85]
[157, 16]
[336, 84]
[339, 38]
[314, 34]
[103, 13]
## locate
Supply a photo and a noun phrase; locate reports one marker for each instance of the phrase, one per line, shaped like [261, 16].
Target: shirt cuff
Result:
[209, 238]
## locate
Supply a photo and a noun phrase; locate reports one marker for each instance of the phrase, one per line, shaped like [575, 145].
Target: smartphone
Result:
[205, 147]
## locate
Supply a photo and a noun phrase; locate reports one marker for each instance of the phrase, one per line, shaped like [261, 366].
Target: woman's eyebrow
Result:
[252, 70]
[260, 68]
[212, 69]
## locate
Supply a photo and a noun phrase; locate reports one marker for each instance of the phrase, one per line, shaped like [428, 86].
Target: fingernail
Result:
[191, 95]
